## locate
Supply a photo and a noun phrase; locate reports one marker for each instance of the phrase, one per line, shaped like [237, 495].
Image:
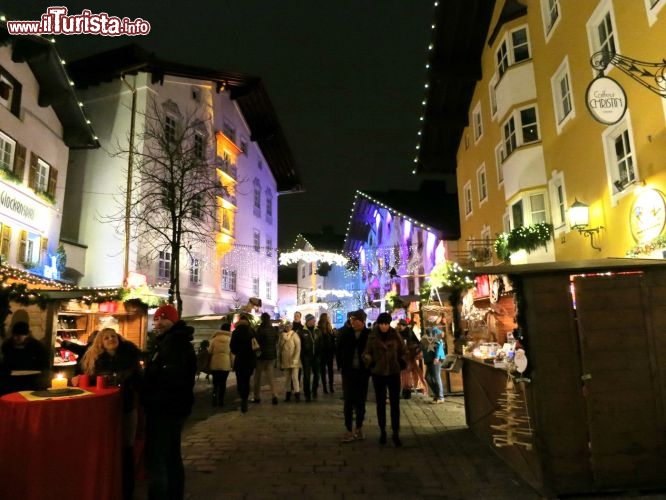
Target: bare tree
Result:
[173, 200]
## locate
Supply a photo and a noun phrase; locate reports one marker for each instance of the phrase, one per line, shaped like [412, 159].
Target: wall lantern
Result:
[579, 219]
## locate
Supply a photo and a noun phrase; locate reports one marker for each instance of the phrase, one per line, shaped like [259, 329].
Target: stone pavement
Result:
[293, 451]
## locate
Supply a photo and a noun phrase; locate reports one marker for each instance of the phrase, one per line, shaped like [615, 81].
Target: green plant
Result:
[48, 197]
[526, 238]
[646, 248]
[10, 176]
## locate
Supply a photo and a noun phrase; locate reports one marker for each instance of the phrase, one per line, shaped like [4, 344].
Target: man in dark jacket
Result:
[23, 352]
[168, 397]
[355, 375]
[268, 337]
[310, 357]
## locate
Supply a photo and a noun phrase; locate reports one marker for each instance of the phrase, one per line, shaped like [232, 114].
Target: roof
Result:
[454, 69]
[430, 206]
[54, 85]
[248, 92]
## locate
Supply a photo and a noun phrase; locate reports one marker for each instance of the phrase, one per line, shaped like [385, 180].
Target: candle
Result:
[59, 382]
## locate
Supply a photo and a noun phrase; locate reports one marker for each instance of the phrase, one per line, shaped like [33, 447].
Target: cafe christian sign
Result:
[606, 100]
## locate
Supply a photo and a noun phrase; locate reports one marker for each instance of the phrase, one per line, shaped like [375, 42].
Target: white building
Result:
[40, 120]
[240, 137]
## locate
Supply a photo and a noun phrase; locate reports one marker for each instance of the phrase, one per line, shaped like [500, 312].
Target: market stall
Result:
[588, 412]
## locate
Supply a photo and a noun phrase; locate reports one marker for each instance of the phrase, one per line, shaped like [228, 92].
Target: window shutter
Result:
[53, 180]
[5, 241]
[23, 243]
[43, 249]
[34, 169]
[19, 161]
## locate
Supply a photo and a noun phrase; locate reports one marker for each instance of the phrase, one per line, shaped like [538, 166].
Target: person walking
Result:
[289, 360]
[355, 375]
[245, 359]
[433, 356]
[384, 356]
[267, 336]
[168, 396]
[327, 352]
[220, 362]
[310, 354]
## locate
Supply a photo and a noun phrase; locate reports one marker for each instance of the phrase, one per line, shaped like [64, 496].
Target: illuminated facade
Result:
[532, 149]
[37, 130]
[234, 138]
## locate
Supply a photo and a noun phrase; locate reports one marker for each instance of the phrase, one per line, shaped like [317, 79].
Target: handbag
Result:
[256, 347]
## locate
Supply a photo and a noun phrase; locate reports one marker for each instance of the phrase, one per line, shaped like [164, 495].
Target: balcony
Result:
[227, 168]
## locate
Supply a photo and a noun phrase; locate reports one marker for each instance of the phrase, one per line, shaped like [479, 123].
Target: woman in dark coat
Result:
[245, 359]
[384, 356]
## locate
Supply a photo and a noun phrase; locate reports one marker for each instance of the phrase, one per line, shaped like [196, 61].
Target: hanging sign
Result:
[606, 100]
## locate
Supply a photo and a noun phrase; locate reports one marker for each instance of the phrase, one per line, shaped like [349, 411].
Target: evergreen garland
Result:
[526, 238]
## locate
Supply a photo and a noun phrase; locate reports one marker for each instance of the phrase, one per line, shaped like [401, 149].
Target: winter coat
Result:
[350, 349]
[220, 351]
[328, 342]
[168, 384]
[268, 338]
[125, 368]
[32, 356]
[241, 348]
[289, 350]
[310, 343]
[433, 348]
[384, 352]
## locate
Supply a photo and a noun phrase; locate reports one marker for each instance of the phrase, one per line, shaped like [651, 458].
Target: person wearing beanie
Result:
[168, 396]
[384, 356]
[268, 337]
[310, 337]
[20, 352]
[355, 375]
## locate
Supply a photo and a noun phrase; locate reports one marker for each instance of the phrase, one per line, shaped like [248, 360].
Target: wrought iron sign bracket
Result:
[649, 74]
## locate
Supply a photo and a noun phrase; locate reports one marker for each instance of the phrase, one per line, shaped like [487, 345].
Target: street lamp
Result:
[579, 219]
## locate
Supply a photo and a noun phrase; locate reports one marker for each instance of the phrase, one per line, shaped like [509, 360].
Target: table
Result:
[66, 448]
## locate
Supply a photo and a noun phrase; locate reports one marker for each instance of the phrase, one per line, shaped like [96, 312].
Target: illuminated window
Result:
[467, 190]
[5, 241]
[195, 271]
[526, 121]
[482, 183]
[7, 146]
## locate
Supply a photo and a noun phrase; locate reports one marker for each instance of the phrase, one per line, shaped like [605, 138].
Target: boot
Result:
[382, 436]
[274, 400]
[396, 440]
[287, 397]
[325, 390]
[331, 389]
[297, 397]
[244, 405]
[215, 398]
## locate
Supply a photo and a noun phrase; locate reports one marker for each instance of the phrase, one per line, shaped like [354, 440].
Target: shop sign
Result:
[606, 100]
[648, 216]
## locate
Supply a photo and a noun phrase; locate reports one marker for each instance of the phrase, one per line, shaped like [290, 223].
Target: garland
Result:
[526, 238]
[646, 248]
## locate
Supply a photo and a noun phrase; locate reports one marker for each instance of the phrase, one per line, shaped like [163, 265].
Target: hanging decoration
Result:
[526, 238]
[338, 294]
[296, 256]
[515, 429]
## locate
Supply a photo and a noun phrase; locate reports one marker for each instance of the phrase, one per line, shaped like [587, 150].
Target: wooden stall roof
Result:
[573, 266]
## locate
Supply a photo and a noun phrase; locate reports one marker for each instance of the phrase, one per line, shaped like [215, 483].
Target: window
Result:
[42, 177]
[7, 147]
[506, 222]
[256, 239]
[170, 129]
[652, 8]
[303, 271]
[620, 157]
[199, 146]
[244, 146]
[257, 198]
[499, 159]
[227, 217]
[164, 265]
[269, 290]
[513, 48]
[196, 210]
[482, 183]
[229, 130]
[535, 204]
[5, 241]
[32, 247]
[538, 208]
[477, 122]
[269, 205]
[195, 271]
[526, 120]
[562, 97]
[517, 214]
[550, 12]
[601, 29]
[269, 247]
[467, 190]
[229, 280]
[255, 286]
[10, 92]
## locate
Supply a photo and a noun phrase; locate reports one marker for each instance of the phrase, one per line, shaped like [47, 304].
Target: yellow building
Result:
[529, 146]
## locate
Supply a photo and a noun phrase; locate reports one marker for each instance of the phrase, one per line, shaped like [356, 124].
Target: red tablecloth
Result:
[62, 448]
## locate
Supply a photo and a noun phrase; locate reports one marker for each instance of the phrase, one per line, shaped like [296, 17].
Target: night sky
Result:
[346, 79]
